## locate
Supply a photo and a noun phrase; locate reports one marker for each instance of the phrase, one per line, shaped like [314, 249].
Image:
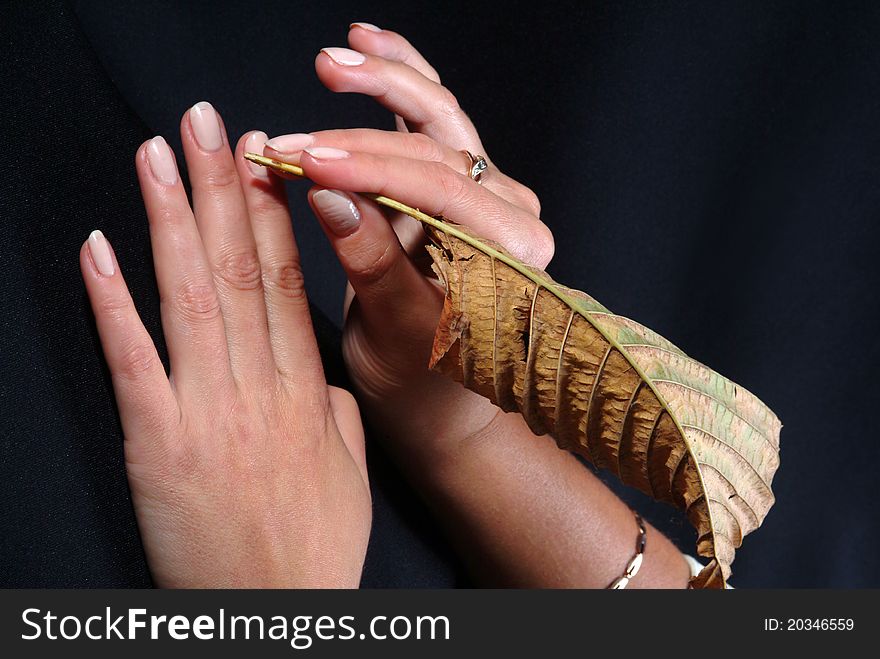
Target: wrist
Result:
[430, 419]
[424, 417]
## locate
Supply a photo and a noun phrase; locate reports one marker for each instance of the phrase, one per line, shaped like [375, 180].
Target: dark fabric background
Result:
[708, 169]
[68, 141]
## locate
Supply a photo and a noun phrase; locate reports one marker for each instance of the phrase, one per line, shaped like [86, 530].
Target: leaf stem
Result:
[529, 273]
[440, 225]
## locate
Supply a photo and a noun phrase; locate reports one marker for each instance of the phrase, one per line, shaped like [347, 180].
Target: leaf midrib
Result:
[521, 268]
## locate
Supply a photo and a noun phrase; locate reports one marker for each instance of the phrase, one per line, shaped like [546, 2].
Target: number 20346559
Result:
[809, 624]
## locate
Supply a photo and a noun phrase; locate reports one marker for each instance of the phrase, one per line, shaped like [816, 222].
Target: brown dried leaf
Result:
[603, 386]
[608, 389]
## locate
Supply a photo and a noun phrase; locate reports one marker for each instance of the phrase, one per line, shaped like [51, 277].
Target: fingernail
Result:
[345, 56]
[206, 126]
[337, 210]
[161, 161]
[366, 26]
[100, 249]
[327, 153]
[254, 143]
[289, 144]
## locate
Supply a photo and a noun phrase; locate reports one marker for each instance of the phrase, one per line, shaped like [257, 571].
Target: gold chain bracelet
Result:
[632, 568]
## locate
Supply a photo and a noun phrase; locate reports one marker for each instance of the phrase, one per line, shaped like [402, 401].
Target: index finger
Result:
[437, 190]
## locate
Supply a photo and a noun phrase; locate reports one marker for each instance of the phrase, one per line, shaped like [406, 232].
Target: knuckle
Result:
[114, 307]
[452, 185]
[267, 210]
[447, 103]
[167, 217]
[240, 271]
[530, 200]
[425, 148]
[544, 246]
[135, 360]
[376, 268]
[532, 243]
[220, 179]
[196, 301]
[286, 278]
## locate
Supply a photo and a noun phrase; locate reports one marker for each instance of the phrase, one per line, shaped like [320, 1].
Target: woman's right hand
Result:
[246, 469]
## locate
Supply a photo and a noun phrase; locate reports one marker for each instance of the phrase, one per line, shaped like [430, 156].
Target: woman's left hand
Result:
[522, 512]
[392, 307]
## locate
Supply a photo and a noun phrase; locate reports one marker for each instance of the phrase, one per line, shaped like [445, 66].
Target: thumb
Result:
[396, 301]
[348, 420]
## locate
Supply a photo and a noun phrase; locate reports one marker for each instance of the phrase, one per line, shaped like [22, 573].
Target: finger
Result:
[288, 148]
[437, 190]
[143, 394]
[368, 38]
[348, 420]
[426, 106]
[384, 279]
[191, 317]
[224, 225]
[291, 335]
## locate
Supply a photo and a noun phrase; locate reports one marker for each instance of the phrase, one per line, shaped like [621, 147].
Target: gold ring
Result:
[477, 167]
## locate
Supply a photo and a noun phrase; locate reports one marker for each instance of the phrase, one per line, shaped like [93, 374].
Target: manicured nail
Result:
[206, 126]
[345, 56]
[367, 26]
[327, 153]
[161, 161]
[290, 144]
[100, 249]
[254, 143]
[337, 210]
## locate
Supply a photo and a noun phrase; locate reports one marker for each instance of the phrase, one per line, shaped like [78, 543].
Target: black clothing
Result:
[709, 169]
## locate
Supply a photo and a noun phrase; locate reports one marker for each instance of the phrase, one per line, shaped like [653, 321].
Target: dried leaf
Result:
[602, 386]
[608, 389]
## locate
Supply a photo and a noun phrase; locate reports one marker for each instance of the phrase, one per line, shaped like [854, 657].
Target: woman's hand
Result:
[245, 468]
[391, 321]
[522, 512]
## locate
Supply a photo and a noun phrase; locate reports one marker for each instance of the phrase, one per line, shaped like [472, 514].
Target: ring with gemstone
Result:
[478, 165]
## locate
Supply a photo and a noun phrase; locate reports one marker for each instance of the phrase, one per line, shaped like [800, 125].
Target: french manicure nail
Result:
[345, 56]
[254, 143]
[327, 153]
[100, 250]
[338, 211]
[367, 26]
[161, 161]
[206, 126]
[289, 144]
